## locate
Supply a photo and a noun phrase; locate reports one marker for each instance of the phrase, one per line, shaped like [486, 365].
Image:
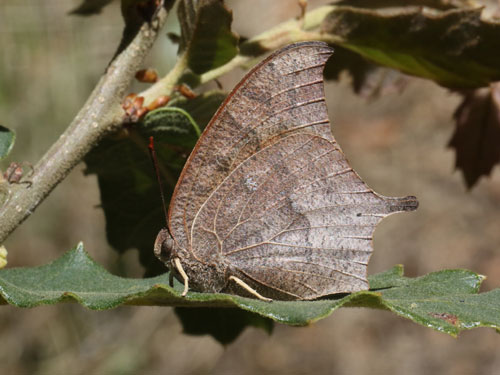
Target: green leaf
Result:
[174, 120]
[7, 139]
[129, 192]
[447, 301]
[453, 47]
[130, 196]
[90, 7]
[73, 276]
[206, 34]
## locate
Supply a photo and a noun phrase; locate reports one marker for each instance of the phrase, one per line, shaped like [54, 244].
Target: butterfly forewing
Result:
[261, 109]
[268, 189]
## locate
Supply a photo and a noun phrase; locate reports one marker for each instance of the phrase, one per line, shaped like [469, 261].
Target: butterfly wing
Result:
[254, 113]
[268, 189]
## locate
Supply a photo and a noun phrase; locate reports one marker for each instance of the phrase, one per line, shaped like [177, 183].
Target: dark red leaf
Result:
[477, 137]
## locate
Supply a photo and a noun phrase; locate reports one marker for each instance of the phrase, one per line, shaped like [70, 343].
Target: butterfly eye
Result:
[164, 245]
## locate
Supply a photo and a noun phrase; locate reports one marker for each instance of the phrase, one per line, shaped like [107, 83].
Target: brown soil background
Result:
[50, 61]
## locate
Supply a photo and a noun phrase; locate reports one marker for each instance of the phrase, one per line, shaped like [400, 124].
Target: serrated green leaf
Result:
[129, 191]
[453, 47]
[173, 119]
[447, 301]
[206, 34]
[387, 279]
[72, 276]
[7, 139]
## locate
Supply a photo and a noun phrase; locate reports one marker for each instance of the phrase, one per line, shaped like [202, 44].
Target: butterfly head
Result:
[164, 245]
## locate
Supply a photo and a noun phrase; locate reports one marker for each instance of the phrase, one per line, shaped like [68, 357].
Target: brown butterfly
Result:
[267, 204]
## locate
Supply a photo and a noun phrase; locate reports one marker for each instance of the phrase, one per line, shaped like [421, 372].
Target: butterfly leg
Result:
[171, 277]
[178, 265]
[249, 289]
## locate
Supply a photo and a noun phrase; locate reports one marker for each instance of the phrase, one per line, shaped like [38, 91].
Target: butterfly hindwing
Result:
[268, 191]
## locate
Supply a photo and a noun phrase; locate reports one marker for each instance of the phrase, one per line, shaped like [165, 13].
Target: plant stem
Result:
[166, 85]
[101, 114]
[291, 31]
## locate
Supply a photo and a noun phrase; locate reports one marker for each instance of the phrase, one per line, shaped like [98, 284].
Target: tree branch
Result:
[101, 114]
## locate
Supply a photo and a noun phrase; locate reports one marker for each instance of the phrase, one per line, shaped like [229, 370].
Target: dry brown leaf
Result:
[477, 136]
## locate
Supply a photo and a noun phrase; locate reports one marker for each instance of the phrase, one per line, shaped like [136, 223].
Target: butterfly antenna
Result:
[156, 167]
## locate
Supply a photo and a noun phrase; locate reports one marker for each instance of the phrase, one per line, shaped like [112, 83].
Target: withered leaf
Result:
[268, 197]
[477, 135]
[455, 48]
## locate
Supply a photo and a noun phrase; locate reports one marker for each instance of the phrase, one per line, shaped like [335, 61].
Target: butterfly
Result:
[267, 205]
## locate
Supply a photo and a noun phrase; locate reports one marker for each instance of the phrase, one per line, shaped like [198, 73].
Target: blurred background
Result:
[49, 63]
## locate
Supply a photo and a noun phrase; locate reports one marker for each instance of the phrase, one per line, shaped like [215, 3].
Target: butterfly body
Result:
[207, 275]
[267, 202]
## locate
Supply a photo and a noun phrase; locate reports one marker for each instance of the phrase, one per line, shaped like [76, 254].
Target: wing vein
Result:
[290, 245]
[289, 176]
[259, 106]
[305, 68]
[222, 200]
[313, 274]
